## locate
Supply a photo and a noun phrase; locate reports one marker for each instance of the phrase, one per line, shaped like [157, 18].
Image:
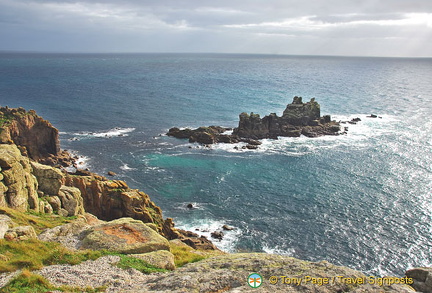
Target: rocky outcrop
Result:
[36, 137]
[18, 186]
[204, 135]
[161, 259]
[113, 199]
[229, 273]
[191, 239]
[71, 200]
[49, 178]
[21, 233]
[27, 185]
[5, 224]
[422, 279]
[298, 119]
[124, 235]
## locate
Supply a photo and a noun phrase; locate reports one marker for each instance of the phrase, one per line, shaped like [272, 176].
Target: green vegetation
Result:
[34, 254]
[184, 255]
[38, 221]
[28, 282]
[5, 119]
[127, 262]
[119, 190]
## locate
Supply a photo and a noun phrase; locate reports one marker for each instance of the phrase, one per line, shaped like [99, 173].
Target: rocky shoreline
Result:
[33, 177]
[108, 215]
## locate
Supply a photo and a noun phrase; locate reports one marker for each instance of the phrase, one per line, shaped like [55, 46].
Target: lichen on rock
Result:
[124, 235]
[18, 188]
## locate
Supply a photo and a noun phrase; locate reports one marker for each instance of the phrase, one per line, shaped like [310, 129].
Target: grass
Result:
[34, 254]
[38, 221]
[28, 282]
[5, 119]
[184, 255]
[127, 262]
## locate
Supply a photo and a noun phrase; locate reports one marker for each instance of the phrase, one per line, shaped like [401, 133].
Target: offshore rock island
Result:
[77, 231]
[297, 119]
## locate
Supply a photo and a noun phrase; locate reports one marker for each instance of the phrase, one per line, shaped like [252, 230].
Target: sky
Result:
[391, 28]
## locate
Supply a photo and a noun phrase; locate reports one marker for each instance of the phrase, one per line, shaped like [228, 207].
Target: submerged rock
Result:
[217, 235]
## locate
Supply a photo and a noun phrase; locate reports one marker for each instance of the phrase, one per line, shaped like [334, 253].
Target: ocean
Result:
[361, 200]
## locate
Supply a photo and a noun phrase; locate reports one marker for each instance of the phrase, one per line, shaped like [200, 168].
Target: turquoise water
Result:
[362, 200]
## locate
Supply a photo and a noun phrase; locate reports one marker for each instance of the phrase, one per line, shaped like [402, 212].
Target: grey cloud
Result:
[223, 26]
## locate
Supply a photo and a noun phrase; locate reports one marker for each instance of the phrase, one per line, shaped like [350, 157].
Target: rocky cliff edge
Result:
[134, 225]
[31, 178]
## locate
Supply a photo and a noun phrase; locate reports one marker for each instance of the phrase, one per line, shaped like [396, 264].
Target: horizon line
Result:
[204, 53]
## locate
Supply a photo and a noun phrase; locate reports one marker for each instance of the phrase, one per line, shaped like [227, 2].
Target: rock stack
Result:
[298, 119]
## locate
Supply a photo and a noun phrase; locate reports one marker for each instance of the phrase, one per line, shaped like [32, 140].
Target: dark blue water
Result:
[362, 200]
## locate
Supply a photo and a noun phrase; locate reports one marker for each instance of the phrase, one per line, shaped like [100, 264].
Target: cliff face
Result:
[18, 186]
[30, 131]
[27, 140]
[113, 199]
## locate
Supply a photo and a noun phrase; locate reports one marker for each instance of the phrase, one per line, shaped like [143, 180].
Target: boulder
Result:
[217, 235]
[71, 200]
[9, 155]
[21, 233]
[227, 227]
[47, 208]
[18, 189]
[162, 259]
[195, 241]
[180, 133]
[124, 235]
[5, 224]
[49, 178]
[55, 203]
[251, 147]
[422, 278]
[3, 192]
[203, 137]
[67, 234]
